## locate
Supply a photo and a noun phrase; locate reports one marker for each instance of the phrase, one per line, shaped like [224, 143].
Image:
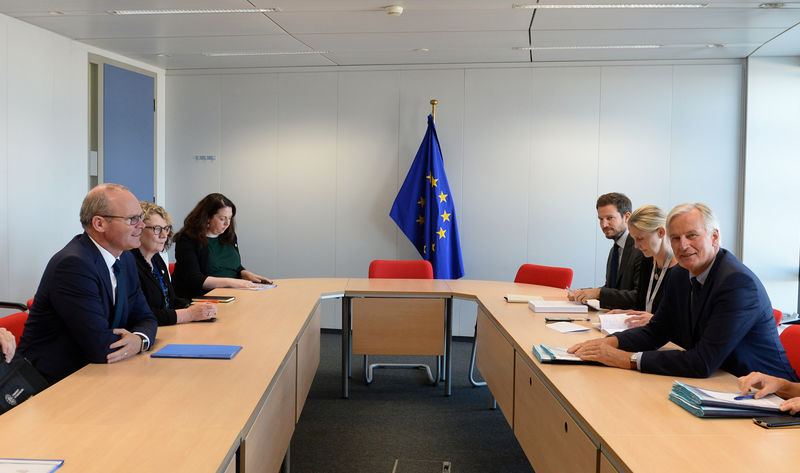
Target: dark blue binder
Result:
[174, 350]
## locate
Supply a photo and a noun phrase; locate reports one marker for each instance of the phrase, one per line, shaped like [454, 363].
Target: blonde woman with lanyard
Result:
[647, 227]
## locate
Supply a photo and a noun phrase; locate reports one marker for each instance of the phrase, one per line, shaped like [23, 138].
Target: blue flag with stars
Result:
[424, 210]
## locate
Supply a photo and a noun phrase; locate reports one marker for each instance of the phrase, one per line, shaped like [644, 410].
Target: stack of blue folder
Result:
[708, 403]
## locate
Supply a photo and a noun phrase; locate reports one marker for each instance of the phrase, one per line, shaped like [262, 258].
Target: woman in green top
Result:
[206, 250]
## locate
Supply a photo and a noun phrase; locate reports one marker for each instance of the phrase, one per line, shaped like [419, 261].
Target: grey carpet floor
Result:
[400, 423]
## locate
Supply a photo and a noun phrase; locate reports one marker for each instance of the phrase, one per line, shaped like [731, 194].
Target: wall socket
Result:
[204, 157]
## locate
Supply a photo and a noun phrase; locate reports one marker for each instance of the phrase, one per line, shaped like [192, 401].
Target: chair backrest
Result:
[551, 276]
[415, 269]
[171, 268]
[778, 316]
[14, 323]
[30, 303]
[790, 338]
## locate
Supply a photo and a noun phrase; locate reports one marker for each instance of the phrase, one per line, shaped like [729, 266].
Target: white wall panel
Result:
[4, 268]
[526, 151]
[706, 143]
[634, 152]
[47, 142]
[771, 225]
[248, 165]
[307, 127]
[193, 127]
[497, 150]
[366, 170]
[562, 222]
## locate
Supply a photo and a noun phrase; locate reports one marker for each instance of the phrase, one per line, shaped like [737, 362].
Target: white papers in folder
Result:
[558, 307]
[613, 323]
[567, 327]
[559, 353]
[15, 465]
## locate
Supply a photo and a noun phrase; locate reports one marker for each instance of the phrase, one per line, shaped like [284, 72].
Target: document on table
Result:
[16, 465]
[557, 306]
[522, 298]
[258, 287]
[567, 327]
[553, 354]
[613, 323]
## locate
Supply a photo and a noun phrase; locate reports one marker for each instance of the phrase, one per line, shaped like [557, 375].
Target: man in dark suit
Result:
[714, 307]
[89, 307]
[624, 260]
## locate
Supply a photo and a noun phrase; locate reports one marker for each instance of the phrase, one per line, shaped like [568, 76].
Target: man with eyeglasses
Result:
[89, 307]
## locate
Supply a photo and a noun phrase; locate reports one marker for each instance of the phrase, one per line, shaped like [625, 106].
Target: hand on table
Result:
[197, 311]
[602, 350]
[127, 346]
[583, 295]
[8, 343]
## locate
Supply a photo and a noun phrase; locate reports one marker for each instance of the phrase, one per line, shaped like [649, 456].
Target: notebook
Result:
[557, 307]
[174, 350]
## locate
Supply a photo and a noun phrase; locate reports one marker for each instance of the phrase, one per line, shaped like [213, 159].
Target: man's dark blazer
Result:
[733, 328]
[191, 266]
[624, 294]
[151, 287]
[70, 320]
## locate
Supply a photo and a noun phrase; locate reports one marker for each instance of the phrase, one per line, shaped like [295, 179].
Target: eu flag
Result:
[424, 210]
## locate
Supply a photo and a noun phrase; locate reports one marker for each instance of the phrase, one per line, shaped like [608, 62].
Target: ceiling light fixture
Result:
[264, 53]
[539, 6]
[615, 46]
[193, 12]
[772, 5]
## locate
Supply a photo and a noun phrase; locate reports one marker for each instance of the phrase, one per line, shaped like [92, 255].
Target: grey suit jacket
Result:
[624, 294]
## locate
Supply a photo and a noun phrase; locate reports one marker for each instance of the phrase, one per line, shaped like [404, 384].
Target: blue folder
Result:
[174, 350]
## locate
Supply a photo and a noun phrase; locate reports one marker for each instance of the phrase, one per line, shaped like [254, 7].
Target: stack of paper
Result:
[557, 306]
[707, 403]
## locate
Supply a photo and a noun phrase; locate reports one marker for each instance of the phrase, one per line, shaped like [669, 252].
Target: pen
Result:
[567, 319]
[746, 396]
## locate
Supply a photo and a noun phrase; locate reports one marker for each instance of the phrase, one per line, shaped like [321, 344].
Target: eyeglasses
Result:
[157, 229]
[129, 220]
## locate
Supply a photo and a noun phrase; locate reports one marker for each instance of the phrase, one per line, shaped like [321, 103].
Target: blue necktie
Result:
[121, 293]
[614, 266]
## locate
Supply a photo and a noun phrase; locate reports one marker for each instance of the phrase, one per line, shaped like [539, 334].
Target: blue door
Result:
[129, 130]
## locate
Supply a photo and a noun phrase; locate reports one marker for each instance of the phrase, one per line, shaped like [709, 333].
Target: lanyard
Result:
[164, 289]
[651, 293]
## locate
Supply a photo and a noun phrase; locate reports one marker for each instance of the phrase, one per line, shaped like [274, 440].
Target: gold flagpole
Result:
[434, 102]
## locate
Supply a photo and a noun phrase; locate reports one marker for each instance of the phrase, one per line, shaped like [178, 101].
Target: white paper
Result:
[613, 323]
[15, 465]
[767, 401]
[560, 353]
[567, 327]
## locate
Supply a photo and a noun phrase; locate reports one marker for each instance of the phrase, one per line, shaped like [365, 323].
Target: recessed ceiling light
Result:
[56, 13]
[193, 12]
[715, 45]
[772, 5]
[615, 46]
[264, 53]
[421, 50]
[163, 55]
[535, 6]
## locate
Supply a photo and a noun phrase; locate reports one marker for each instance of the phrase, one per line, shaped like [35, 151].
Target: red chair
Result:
[14, 323]
[390, 269]
[790, 338]
[171, 268]
[30, 303]
[551, 276]
[417, 323]
[778, 316]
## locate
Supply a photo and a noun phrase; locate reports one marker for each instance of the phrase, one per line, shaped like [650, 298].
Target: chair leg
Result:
[369, 367]
[367, 370]
[472, 361]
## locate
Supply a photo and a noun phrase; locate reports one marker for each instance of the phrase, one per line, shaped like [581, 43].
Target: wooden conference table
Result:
[200, 415]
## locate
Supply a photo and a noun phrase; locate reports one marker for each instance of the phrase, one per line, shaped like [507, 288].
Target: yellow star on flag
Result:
[442, 197]
[441, 233]
[434, 181]
[421, 201]
[424, 249]
[420, 220]
[446, 216]
[433, 246]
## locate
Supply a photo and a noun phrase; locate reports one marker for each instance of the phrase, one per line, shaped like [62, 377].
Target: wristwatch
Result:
[634, 359]
[145, 343]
